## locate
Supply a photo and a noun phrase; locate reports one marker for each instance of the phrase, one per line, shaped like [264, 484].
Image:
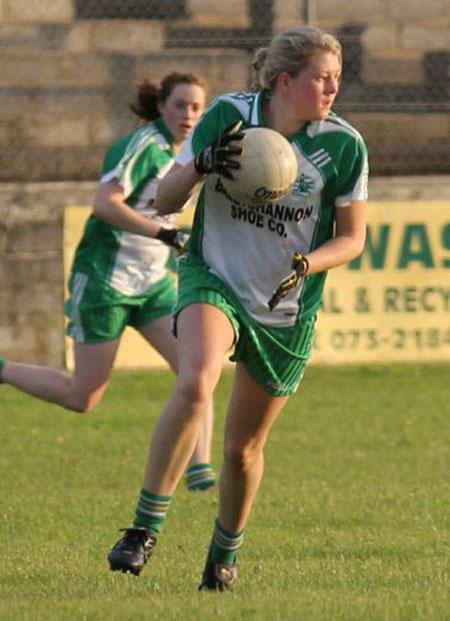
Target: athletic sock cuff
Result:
[200, 477]
[225, 544]
[151, 511]
[227, 535]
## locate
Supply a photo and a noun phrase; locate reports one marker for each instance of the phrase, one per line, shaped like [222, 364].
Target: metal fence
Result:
[67, 82]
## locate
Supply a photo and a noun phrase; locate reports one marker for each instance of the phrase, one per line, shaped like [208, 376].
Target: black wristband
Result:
[171, 237]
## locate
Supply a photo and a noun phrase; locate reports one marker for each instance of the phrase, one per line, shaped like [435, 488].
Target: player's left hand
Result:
[175, 238]
[300, 266]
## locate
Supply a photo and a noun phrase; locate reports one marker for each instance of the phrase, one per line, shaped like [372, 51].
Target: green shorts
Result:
[98, 313]
[275, 357]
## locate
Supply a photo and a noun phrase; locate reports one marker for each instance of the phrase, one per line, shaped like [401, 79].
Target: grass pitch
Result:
[351, 522]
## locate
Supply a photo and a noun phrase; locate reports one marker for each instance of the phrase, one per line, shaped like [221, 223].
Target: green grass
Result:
[352, 520]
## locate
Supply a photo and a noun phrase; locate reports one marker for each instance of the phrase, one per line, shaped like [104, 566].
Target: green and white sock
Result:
[2, 364]
[151, 511]
[225, 545]
[200, 477]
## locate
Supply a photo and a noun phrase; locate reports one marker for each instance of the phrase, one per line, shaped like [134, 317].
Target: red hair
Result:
[150, 95]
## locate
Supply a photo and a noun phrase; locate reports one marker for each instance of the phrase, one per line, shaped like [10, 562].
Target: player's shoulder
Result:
[221, 113]
[140, 138]
[119, 145]
[148, 136]
[336, 125]
[144, 143]
[241, 103]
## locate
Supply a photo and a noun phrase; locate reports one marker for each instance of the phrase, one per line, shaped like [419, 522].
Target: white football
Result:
[268, 167]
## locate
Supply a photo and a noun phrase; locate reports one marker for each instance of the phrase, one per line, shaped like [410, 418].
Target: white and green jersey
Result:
[250, 247]
[128, 263]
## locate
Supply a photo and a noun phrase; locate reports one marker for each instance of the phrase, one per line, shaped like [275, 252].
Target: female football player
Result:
[119, 275]
[248, 288]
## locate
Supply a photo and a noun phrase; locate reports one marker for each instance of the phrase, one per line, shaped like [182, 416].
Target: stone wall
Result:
[66, 82]
[31, 268]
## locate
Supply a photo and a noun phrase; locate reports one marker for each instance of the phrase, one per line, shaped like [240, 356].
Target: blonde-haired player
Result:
[254, 286]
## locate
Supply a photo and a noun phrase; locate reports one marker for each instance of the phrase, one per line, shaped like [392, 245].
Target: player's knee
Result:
[196, 387]
[241, 456]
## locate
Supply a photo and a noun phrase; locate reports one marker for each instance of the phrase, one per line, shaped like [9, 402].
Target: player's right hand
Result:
[175, 238]
[220, 156]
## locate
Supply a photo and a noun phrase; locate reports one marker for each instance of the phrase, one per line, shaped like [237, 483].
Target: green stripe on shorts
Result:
[97, 313]
[275, 357]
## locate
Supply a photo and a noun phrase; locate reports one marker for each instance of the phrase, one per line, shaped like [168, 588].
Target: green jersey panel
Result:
[127, 263]
[250, 247]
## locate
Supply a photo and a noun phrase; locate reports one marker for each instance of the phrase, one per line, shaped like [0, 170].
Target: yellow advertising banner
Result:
[390, 304]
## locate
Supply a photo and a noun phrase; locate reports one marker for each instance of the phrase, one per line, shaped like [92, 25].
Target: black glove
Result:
[173, 237]
[216, 157]
[300, 266]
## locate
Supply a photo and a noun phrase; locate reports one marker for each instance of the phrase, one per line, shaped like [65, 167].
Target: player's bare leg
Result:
[80, 391]
[199, 474]
[200, 365]
[251, 413]
[202, 450]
